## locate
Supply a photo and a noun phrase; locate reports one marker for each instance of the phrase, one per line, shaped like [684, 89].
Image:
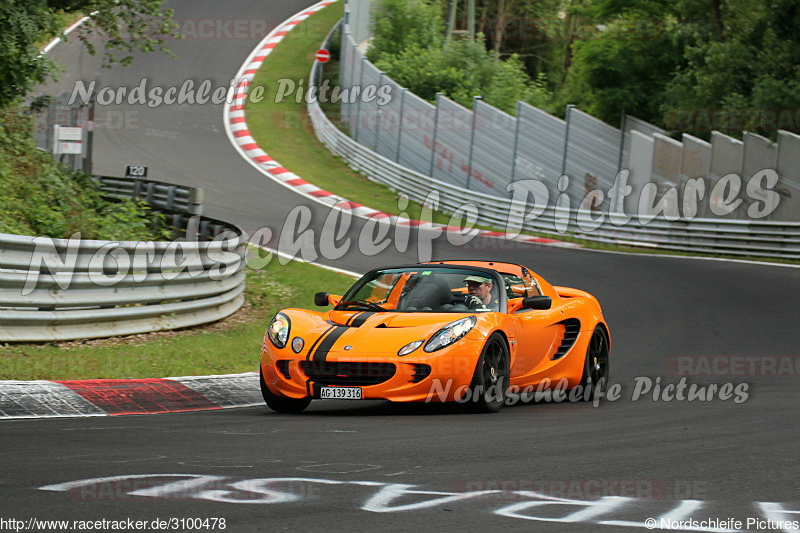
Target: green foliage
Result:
[126, 26]
[459, 68]
[752, 63]
[611, 75]
[22, 24]
[38, 197]
[399, 25]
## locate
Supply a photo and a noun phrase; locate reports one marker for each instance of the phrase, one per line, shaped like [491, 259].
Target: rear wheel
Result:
[490, 381]
[595, 367]
[282, 404]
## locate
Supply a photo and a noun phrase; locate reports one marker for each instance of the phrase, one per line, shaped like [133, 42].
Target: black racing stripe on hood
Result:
[359, 319]
[352, 317]
[327, 343]
[316, 342]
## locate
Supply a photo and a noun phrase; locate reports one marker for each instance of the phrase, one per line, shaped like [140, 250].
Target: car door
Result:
[538, 332]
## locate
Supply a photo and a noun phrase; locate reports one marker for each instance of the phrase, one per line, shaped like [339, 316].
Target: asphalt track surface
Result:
[374, 465]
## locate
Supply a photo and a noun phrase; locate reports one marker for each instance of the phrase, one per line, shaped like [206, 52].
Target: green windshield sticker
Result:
[426, 273]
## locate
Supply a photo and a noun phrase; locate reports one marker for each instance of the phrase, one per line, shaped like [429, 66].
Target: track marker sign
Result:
[136, 171]
[323, 55]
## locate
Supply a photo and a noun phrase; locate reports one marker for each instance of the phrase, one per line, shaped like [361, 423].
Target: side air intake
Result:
[572, 326]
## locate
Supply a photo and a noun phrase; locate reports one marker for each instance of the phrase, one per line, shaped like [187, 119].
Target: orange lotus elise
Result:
[475, 332]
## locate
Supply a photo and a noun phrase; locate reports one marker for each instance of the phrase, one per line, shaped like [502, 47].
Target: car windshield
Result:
[424, 289]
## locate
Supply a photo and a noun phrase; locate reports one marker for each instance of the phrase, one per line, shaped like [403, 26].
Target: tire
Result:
[595, 366]
[489, 385]
[282, 404]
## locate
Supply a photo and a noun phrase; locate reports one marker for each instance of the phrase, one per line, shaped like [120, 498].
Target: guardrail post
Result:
[471, 140]
[195, 201]
[205, 230]
[193, 228]
[177, 225]
[171, 197]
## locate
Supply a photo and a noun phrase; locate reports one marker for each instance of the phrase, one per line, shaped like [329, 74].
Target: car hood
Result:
[369, 320]
[385, 332]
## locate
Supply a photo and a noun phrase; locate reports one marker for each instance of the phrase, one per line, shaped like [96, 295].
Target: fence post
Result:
[516, 142]
[471, 139]
[380, 114]
[622, 126]
[435, 128]
[400, 131]
[358, 106]
[566, 140]
[90, 123]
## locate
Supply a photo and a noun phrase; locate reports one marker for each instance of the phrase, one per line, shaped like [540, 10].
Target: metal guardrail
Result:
[157, 194]
[180, 205]
[60, 289]
[720, 236]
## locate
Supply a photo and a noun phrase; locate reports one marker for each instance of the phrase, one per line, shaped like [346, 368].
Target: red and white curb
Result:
[235, 124]
[105, 397]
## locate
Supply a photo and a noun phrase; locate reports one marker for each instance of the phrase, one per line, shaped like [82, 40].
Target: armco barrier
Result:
[60, 289]
[180, 205]
[722, 236]
[159, 195]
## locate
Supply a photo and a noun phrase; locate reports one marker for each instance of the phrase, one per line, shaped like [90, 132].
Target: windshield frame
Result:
[496, 277]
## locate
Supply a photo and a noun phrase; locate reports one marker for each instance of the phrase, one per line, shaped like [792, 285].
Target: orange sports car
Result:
[476, 332]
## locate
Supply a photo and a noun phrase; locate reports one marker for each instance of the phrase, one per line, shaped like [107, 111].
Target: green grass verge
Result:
[229, 346]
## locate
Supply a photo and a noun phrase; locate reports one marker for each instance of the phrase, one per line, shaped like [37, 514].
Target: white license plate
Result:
[340, 393]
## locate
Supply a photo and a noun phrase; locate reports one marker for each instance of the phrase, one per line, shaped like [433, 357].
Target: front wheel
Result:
[282, 404]
[490, 381]
[595, 367]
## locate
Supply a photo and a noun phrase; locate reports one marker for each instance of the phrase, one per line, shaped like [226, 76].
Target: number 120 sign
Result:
[135, 171]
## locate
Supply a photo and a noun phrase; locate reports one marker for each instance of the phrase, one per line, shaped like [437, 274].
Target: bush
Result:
[40, 197]
[408, 45]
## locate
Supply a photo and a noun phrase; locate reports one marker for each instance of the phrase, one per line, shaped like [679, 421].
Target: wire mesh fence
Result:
[63, 128]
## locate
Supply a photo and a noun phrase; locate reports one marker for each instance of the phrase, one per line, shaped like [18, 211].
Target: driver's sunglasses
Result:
[474, 283]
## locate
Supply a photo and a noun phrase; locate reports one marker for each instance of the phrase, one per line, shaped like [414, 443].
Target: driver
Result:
[480, 292]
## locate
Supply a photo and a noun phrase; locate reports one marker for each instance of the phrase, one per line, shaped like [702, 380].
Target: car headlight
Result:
[278, 330]
[450, 333]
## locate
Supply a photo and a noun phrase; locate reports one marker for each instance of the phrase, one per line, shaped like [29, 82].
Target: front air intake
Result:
[347, 372]
[421, 371]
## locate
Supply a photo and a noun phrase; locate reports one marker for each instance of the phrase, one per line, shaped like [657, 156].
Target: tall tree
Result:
[751, 64]
[126, 25]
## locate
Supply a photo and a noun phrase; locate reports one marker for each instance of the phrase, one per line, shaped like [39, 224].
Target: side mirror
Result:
[537, 302]
[321, 299]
